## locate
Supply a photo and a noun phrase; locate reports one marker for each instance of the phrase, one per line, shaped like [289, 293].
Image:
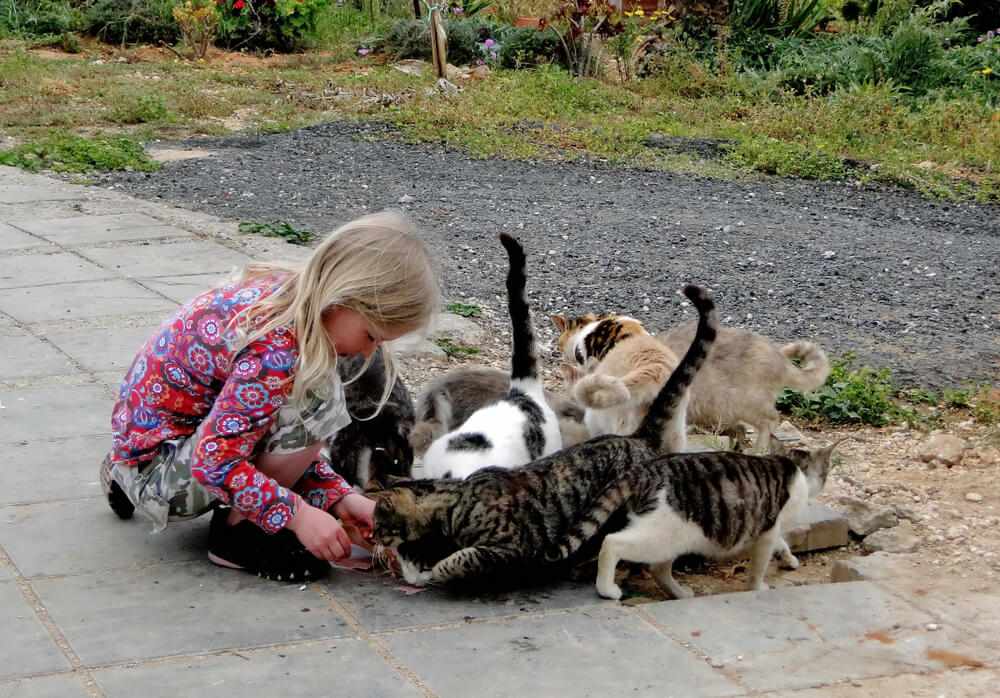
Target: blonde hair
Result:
[376, 266]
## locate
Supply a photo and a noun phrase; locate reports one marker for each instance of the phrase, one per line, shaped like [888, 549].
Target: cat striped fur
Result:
[512, 524]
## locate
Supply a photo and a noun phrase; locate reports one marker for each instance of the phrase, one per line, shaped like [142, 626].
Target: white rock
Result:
[933, 626]
[864, 518]
[945, 448]
[406, 199]
[901, 539]
[829, 254]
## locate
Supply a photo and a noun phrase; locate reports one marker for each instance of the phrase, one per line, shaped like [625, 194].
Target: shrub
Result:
[132, 21]
[140, 109]
[282, 25]
[64, 152]
[198, 20]
[39, 17]
[849, 396]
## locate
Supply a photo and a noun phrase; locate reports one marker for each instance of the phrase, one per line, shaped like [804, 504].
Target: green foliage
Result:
[282, 25]
[957, 397]
[776, 17]
[278, 229]
[520, 46]
[922, 396]
[63, 152]
[773, 156]
[456, 350]
[132, 21]
[140, 109]
[39, 17]
[849, 396]
[986, 408]
[464, 309]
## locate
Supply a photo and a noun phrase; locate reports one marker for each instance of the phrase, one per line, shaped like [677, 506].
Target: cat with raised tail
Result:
[520, 427]
[504, 525]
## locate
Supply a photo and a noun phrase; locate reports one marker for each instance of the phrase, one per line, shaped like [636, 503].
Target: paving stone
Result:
[88, 299]
[168, 258]
[164, 610]
[183, 288]
[950, 684]
[101, 349]
[82, 536]
[59, 686]
[25, 645]
[73, 465]
[27, 357]
[379, 604]
[818, 528]
[802, 637]
[345, 667]
[601, 652]
[13, 239]
[37, 269]
[84, 230]
[55, 412]
[27, 193]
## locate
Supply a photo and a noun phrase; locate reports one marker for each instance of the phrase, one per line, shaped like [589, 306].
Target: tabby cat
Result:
[451, 398]
[514, 524]
[521, 426]
[718, 505]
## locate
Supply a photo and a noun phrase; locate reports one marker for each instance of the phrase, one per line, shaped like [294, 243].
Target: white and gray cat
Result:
[520, 427]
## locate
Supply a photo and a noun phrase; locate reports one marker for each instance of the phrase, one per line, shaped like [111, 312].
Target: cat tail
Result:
[600, 391]
[813, 368]
[673, 396]
[610, 501]
[524, 358]
[425, 432]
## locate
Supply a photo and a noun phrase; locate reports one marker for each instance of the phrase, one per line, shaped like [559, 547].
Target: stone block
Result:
[183, 288]
[83, 300]
[168, 258]
[600, 652]
[864, 518]
[40, 269]
[818, 528]
[72, 465]
[55, 412]
[164, 610]
[345, 667]
[25, 645]
[46, 191]
[874, 567]
[460, 328]
[900, 539]
[13, 239]
[87, 230]
[102, 349]
[29, 357]
[416, 345]
[58, 686]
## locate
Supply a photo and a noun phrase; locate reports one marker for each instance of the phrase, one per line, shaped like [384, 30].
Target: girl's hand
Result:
[320, 533]
[357, 511]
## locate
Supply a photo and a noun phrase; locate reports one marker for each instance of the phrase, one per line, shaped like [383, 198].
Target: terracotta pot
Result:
[527, 22]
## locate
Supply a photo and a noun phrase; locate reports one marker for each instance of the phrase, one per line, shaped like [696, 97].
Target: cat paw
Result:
[789, 562]
[679, 591]
[610, 591]
[601, 392]
[413, 574]
[759, 586]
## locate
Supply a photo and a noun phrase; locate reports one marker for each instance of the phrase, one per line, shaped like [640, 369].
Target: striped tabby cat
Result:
[514, 524]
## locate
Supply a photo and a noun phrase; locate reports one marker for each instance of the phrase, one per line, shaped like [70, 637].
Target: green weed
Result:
[464, 309]
[849, 396]
[63, 152]
[140, 109]
[278, 229]
[456, 350]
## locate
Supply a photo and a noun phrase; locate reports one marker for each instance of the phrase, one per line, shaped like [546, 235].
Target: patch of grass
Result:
[456, 350]
[776, 157]
[986, 406]
[63, 152]
[922, 396]
[464, 309]
[278, 229]
[140, 109]
[959, 398]
[849, 396]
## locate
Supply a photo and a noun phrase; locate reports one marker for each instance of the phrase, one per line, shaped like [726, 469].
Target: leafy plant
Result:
[957, 397]
[278, 229]
[777, 157]
[986, 407]
[198, 21]
[456, 350]
[776, 17]
[464, 309]
[125, 21]
[39, 17]
[849, 396]
[283, 25]
[64, 152]
[140, 109]
[579, 25]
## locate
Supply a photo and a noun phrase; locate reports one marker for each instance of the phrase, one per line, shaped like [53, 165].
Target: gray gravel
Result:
[903, 282]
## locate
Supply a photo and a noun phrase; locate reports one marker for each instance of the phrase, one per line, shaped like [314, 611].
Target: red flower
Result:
[238, 5]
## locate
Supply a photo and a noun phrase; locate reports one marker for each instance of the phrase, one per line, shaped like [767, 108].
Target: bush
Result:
[519, 46]
[140, 109]
[281, 25]
[39, 17]
[132, 21]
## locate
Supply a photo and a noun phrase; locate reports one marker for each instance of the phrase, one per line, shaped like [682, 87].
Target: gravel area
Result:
[903, 282]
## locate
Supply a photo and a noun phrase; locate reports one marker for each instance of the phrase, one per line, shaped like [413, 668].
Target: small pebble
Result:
[717, 664]
[933, 626]
[829, 254]
[974, 497]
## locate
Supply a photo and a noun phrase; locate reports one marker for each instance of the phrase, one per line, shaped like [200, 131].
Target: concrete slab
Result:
[808, 636]
[85, 230]
[345, 667]
[13, 239]
[27, 357]
[37, 269]
[88, 299]
[184, 287]
[73, 464]
[82, 536]
[557, 655]
[28, 193]
[25, 645]
[378, 604]
[168, 258]
[59, 686]
[101, 349]
[191, 608]
[950, 684]
[55, 412]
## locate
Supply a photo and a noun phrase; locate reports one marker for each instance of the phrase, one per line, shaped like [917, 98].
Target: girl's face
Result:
[350, 333]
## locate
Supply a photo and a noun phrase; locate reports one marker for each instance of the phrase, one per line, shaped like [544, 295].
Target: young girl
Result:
[230, 404]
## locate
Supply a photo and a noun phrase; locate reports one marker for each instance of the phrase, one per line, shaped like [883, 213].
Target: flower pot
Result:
[527, 22]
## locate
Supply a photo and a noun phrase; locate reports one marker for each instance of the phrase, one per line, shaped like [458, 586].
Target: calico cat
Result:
[521, 426]
[511, 525]
[743, 377]
[715, 504]
[371, 450]
[451, 398]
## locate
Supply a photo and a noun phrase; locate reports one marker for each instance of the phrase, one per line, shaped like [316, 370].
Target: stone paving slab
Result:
[86, 230]
[54, 412]
[345, 667]
[168, 258]
[26, 357]
[13, 239]
[951, 684]
[27, 193]
[102, 349]
[75, 460]
[378, 604]
[601, 652]
[60, 686]
[25, 645]
[806, 636]
[89, 299]
[82, 536]
[165, 610]
[184, 287]
[35, 269]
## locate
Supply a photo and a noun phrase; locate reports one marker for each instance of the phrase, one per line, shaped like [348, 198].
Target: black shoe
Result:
[245, 546]
[119, 502]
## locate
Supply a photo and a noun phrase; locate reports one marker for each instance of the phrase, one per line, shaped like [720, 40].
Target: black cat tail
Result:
[524, 358]
[671, 396]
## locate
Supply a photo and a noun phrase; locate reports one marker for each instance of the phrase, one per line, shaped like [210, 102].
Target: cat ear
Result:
[559, 321]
